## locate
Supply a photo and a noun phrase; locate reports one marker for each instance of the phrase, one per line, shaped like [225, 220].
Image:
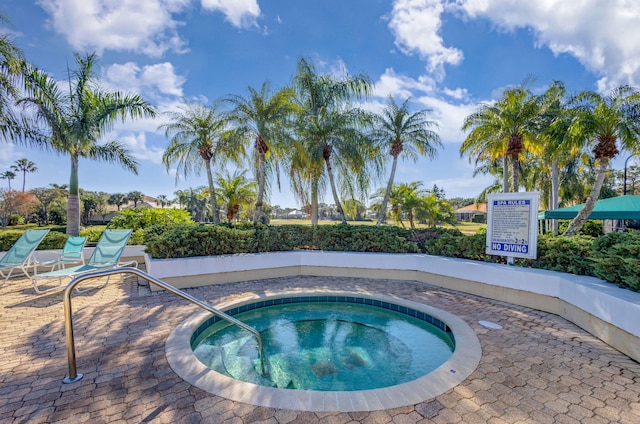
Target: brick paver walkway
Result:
[539, 369]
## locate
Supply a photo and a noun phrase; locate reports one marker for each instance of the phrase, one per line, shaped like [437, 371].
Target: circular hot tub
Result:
[326, 352]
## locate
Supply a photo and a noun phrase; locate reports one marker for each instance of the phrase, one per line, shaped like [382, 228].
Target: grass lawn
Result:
[467, 228]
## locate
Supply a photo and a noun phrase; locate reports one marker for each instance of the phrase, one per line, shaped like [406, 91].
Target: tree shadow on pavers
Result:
[119, 345]
[28, 298]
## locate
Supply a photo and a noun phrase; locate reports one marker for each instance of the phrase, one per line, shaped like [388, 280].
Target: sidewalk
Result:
[539, 368]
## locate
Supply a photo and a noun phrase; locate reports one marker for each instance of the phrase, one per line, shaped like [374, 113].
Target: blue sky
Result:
[447, 55]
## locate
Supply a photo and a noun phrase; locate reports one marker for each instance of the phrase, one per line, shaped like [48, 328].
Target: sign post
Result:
[512, 225]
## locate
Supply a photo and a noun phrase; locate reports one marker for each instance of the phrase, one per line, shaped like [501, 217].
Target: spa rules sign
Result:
[512, 225]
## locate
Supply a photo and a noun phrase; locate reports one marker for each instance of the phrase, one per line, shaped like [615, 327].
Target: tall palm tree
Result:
[8, 175]
[263, 117]
[10, 65]
[600, 121]
[235, 191]
[403, 133]
[24, 165]
[330, 133]
[198, 137]
[503, 130]
[77, 119]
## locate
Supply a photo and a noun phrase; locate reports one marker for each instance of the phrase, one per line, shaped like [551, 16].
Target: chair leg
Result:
[42, 291]
[5, 278]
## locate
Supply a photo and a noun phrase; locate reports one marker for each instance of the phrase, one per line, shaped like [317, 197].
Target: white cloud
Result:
[469, 187]
[124, 25]
[416, 26]
[603, 35]
[149, 79]
[458, 93]
[139, 148]
[392, 84]
[449, 117]
[7, 154]
[240, 13]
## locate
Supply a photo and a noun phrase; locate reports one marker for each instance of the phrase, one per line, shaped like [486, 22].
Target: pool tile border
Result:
[457, 368]
[326, 299]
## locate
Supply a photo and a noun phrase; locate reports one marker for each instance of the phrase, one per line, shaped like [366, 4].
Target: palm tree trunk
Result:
[515, 174]
[387, 195]
[505, 174]
[314, 198]
[212, 193]
[259, 199]
[555, 193]
[410, 218]
[24, 179]
[336, 199]
[73, 202]
[584, 213]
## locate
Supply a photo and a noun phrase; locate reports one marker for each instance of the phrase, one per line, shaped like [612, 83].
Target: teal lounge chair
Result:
[71, 253]
[106, 255]
[20, 255]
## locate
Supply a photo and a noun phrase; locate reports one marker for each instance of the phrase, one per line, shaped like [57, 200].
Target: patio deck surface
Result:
[539, 368]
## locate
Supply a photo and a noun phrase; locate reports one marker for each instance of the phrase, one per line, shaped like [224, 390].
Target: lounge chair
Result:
[106, 255]
[71, 253]
[20, 255]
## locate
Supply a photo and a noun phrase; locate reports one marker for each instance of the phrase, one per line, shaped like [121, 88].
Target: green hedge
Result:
[614, 257]
[179, 241]
[53, 240]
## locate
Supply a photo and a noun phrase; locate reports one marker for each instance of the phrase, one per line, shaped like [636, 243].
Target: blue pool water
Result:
[326, 346]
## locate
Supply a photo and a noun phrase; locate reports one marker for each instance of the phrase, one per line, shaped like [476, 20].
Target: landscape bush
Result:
[53, 240]
[616, 258]
[141, 218]
[177, 241]
[564, 254]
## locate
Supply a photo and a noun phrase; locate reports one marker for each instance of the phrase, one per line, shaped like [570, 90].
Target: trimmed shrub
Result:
[53, 240]
[140, 218]
[564, 254]
[345, 238]
[616, 258]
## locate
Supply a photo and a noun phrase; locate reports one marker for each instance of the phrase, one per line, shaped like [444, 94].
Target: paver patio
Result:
[539, 368]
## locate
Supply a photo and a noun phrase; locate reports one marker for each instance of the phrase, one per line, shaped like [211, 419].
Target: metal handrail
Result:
[68, 322]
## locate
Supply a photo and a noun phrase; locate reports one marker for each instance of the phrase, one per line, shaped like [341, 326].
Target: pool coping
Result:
[452, 372]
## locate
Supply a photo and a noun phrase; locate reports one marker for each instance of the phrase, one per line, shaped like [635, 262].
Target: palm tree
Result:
[263, 117]
[330, 134]
[198, 137]
[8, 175]
[117, 199]
[77, 120]
[600, 121]
[162, 200]
[403, 133]
[503, 130]
[135, 197]
[181, 197]
[10, 64]
[235, 191]
[196, 202]
[24, 165]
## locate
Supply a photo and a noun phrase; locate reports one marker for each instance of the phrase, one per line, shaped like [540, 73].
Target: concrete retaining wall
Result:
[606, 311]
